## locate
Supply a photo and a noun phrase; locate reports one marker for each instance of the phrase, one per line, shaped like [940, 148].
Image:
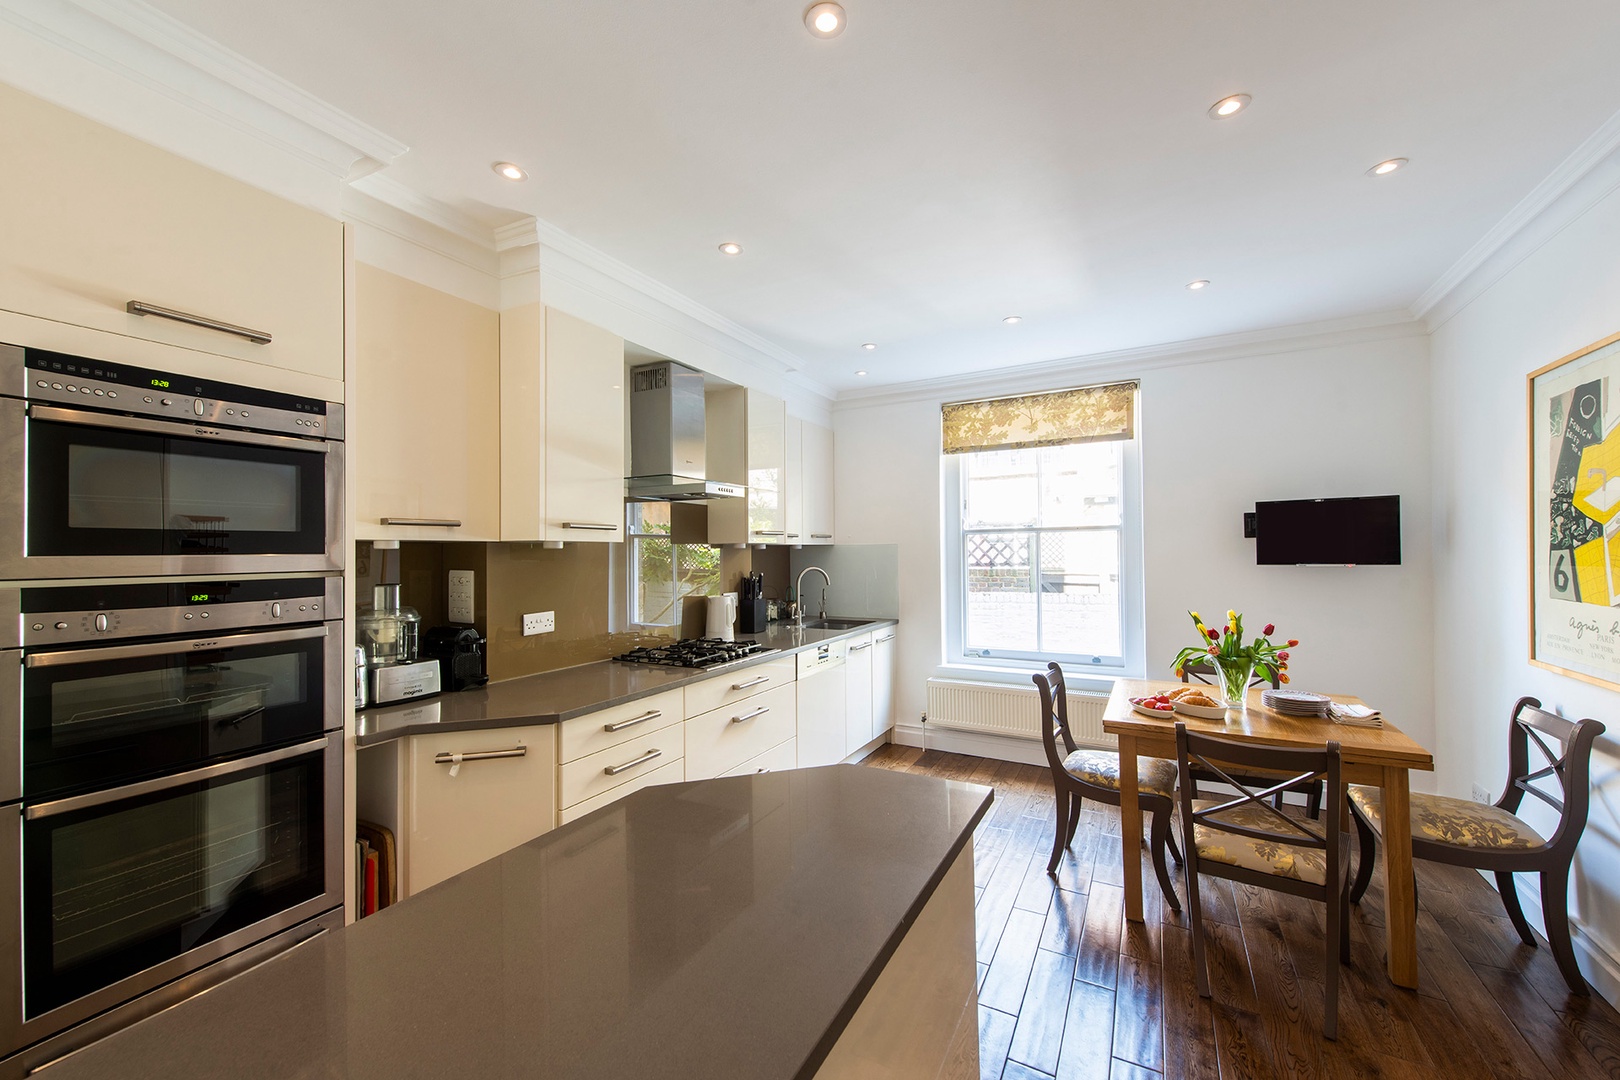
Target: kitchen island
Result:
[814, 922]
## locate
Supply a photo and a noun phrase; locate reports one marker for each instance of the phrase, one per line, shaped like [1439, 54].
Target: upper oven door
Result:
[98, 717]
[110, 495]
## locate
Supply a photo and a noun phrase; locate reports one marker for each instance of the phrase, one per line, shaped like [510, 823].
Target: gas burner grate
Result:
[695, 653]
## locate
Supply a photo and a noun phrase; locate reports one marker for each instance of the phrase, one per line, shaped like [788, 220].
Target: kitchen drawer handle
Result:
[750, 682]
[889, 638]
[792, 536]
[858, 648]
[479, 755]
[821, 536]
[633, 721]
[761, 711]
[615, 770]
[592, 526]
[771, 532]
[258, 337]
[446, 523]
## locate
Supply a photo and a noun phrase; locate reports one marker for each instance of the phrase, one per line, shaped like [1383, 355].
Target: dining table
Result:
[1378, 756]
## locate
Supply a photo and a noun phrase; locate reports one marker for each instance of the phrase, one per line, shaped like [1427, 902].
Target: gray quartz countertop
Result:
[555, 696]
[719, 928]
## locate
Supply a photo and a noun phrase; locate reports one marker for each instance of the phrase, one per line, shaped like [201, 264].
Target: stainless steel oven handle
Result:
[164, 783]
[180, 647]
[180, 428]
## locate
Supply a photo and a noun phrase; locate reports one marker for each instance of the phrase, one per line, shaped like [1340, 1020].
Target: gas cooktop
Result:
[696, 653]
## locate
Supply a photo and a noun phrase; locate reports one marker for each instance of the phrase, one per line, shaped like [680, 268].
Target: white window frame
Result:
[1131, 585]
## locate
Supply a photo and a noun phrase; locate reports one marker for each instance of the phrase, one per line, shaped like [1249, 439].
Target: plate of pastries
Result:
[1196, 701]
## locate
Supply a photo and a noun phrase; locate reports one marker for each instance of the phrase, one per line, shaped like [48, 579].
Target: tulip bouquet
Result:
[1233, 660]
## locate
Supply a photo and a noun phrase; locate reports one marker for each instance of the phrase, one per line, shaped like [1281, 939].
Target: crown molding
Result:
[1126, 363]
[137, 42]
[1542, 213]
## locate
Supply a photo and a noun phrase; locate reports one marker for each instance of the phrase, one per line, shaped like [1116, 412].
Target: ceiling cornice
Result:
[1461, 283]
[1126, 363]
[138, 42]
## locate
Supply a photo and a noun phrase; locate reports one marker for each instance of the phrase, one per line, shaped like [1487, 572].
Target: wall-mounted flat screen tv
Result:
[1329, 532]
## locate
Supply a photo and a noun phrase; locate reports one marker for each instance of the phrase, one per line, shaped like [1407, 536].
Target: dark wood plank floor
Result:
[1069, 990]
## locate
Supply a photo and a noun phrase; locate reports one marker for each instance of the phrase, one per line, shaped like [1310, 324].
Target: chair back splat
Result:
[1570, 768]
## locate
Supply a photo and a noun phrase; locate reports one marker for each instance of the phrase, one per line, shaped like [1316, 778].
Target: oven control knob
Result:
[197, 406]
[275, 610]
[101, 622]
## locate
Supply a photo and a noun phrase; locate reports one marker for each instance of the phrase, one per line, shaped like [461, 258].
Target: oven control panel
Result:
[76, 614]
[59, 378]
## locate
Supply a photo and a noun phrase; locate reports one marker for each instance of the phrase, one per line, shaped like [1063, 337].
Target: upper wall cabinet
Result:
[761, 518]
[815, 482]
[424, 413]
[562, 428]
[93, 219]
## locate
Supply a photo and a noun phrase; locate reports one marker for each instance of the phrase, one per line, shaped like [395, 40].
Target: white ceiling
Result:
[945, 163]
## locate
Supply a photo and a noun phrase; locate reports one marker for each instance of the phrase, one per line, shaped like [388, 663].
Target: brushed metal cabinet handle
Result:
[633, 721]
[593, 526]
[858, 648]
[821, 536]
[447, 758]
[761, 711]
[750, 682]
[446, 523]
[615, 770]
[768, 532]
[258, 337]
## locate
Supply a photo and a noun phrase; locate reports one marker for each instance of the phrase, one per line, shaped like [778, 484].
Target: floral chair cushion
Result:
[1266, 856]
[1457, 822]
[1100, 768]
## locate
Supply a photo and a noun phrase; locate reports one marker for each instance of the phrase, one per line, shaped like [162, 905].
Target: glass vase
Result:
[1232, 677]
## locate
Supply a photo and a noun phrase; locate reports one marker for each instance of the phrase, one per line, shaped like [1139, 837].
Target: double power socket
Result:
[460, 604]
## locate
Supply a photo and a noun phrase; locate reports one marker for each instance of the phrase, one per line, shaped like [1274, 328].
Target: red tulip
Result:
[1282, 678]
[1213, 636]
[1292, 642]
[1282, 655]
[1269, 630]
[1213, 651]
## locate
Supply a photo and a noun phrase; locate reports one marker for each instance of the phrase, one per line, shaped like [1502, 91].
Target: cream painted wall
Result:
[1562, 296]
[1350, 419]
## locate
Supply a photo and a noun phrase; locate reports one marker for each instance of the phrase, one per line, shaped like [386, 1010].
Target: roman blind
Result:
[1055, 418]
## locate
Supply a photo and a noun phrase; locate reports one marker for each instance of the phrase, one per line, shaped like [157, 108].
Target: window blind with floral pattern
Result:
[1055, 418]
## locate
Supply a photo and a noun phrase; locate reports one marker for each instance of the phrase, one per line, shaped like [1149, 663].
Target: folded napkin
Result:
[1355, 715]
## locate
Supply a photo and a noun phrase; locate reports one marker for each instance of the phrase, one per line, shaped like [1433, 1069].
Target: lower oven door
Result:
[117, 892]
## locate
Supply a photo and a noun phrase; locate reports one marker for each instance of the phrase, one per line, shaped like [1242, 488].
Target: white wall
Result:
[1346, 419]
[1564, 295]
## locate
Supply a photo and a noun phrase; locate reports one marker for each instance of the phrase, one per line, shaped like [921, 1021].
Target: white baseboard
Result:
[1596, 962]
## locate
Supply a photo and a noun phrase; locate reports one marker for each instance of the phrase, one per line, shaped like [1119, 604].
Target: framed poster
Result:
[1575, 514]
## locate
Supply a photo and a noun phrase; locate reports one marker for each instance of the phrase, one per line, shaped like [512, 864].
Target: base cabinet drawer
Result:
[737, 685]
[778, 758]
[673, 773]
[613, 727]
[500, 795]
[594, 774]
[720, 740]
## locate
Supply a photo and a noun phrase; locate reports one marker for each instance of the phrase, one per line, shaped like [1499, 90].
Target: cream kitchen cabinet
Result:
[858, 694]
[94, 219]
[761, 518]
[605, 755]
[424, 420]
[814, 482]
[884, 658]
[561, 428]
[793, 504]
[722, 739]
[449, 815]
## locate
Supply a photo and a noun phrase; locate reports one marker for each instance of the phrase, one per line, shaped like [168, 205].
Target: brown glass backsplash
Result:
[574, 581]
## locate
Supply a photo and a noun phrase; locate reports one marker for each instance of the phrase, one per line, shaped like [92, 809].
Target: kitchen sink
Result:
[835, 624]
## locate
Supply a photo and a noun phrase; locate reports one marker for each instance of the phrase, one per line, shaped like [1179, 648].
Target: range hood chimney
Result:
[667, 437]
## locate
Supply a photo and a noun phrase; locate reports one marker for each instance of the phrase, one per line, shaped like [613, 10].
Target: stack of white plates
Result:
[1296, 702]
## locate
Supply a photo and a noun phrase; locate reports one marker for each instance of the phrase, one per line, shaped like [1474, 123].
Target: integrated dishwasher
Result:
[823, 696]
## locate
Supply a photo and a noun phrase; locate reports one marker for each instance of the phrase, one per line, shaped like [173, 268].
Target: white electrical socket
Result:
[539, 622]
[461, 596]
[1481, 795]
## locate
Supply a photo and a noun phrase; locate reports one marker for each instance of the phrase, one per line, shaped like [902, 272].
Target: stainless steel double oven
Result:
[172, 688]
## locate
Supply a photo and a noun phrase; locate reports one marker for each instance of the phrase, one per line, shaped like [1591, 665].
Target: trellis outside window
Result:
[1047, 534]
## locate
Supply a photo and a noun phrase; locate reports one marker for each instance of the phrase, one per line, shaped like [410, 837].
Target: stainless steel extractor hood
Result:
[667, 437]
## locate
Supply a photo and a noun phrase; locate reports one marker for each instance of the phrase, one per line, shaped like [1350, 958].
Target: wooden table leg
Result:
[1130, 828]
[1400, 893]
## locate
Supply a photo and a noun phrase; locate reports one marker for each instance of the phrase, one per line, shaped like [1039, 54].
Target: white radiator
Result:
[999, 709]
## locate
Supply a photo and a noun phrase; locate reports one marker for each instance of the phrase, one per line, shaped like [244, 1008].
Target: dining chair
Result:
[1080, 773]
[1463, 833]
[1248, 840]
[1204, 672]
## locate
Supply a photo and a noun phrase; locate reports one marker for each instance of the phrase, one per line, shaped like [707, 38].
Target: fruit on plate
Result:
[1156, 702]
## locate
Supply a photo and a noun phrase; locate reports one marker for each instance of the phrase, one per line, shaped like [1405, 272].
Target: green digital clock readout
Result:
[161, 384]
[201, 597]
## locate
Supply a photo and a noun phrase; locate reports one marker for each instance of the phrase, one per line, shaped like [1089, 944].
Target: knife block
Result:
[752, 617]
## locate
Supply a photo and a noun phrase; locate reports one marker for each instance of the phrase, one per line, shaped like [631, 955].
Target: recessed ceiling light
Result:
[861, 373]
[1229, 106]
[1384, 168]
[1013, 320]
[824, 20]
[869, 346]
[509, 170]
[728, 248]
[1201, 283]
